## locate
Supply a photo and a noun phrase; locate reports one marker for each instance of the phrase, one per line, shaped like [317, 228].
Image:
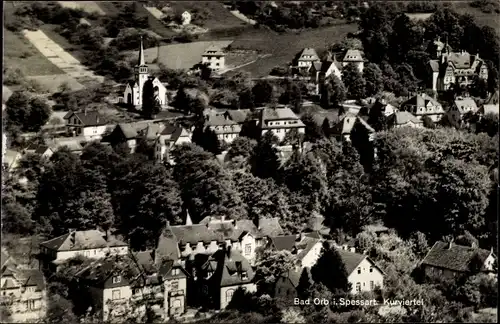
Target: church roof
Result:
[141, 61]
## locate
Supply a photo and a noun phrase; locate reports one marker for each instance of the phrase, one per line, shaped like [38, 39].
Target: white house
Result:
[321, 71]
[134, 89]
[422, 105]
[306, 58]
[355, 57]
[169, 136]
[185, 18]
[280, 121]
[88, 124]
[362, 272]
[91, 244]
[307, 252]
[214, 57]
[223, 126]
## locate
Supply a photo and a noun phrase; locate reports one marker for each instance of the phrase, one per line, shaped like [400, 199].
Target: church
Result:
[133, 92]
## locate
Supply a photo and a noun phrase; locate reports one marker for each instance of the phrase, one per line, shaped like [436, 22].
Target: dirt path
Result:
[59, 57]
[241, 16]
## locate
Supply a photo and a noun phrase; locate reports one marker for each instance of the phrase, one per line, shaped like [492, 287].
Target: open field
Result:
[283, 47]
[52, 82]
[485, 19]
[218, 18]
[87, 6]
[154, 24]
[59, 57]
[179, 56]
[20, 53]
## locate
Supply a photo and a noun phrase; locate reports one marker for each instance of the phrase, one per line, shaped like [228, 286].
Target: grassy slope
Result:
[220, 18]
[284, 47]
[487, 19]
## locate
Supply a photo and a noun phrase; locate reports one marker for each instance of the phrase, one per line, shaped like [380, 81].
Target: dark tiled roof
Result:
[457, 258]
[91, 239]
[238, 116]
[90, 118]
[353, 56]
[285, 242]
[230, 269]
[403, 117]
[351, 260]
[270, 227]
[278, 114]
[309, 52]
[306, 245]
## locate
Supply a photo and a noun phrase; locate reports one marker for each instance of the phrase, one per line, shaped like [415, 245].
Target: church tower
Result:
[141, 72]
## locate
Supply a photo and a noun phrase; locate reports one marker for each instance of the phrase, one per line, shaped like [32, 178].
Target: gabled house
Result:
[422, 105]
[305, 59]
[321, 71]
[342, 130]
[214, 57]
[285, 288]
[23, 291]
[73, 144]
[455, 68]
[452, 260]
[280, 121]
[212, 234]
[307, 251]
[362, 272]
[88, 124]
[356, 57]
[127, 133]
[174, 278]
[283, 242]
[42, 150]
[168, 136]
[115, 286]
[404, 119]
[92, 244]
[226, 129]
[460, 107]
[385, 107]
[221, 275]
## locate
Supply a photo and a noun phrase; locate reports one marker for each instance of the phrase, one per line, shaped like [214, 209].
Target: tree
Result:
[305, 284]
[377, 118]
[406, 36]
[330, 271]
[292, 94]
[264, 159]
[27, 112]
[313, 132]
[354, 81]
[263, 92]
[145, 199]
[406, 78]
[374, 79]
[488, 124]
[270, 266]
[150, 104]
[291, 315]
[338, 92]
[241, 146]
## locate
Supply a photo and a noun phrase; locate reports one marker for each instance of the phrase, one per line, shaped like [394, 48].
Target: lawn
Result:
[219, 18]
[283, 47]
[179, 56]
[20, 53]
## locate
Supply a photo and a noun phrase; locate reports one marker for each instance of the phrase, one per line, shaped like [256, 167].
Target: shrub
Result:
[12, 77]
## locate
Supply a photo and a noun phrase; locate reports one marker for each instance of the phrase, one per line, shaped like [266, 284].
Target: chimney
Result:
[477, 56]
[228, 252]
[85, 111]
[450, 245]
[473, 245]
[222, 219]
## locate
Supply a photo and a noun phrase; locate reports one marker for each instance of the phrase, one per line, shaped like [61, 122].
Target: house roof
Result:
[421, 100]
[351, 260]
[89, 118]
[82, 240]
[132, 130]
[305, 246]
[347, 123]
[402, 118]
[230, 268]
[461, 60]
[72, 143]
[278, 114]
[464, 103]
[284, 242]
[239, 115]
[308, 52]
[217, 120]
[213, 50]
[456, 258]
[353, 56]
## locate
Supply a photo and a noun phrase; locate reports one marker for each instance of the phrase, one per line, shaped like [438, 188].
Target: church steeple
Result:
[141, 61]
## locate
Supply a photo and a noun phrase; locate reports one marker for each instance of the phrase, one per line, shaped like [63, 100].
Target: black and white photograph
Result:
[250, 161]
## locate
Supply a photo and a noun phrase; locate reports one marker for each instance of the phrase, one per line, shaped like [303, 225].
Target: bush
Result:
[186, 37]
[279, 71]
[12, 77]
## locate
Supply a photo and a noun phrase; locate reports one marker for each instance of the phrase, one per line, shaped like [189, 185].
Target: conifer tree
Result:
[330, 271]
[303, 289]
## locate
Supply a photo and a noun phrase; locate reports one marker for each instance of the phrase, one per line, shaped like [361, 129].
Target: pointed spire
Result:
[188, 219]
[141, 61]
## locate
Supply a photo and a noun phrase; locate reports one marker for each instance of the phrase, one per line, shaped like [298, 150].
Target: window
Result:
[359, 270]
[229, 295]
[372, 285]
[87, 253]
[174, 285]
[358, 286]
[117, 279]
[175, 272]
[30, 305]
[216, 64]
[116, 294]
[371, 269]
[248, 248]
[244, 275]
[95, 252]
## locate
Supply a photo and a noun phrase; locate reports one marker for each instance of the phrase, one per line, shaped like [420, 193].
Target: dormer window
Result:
[209, 273]
[244, 275]
[117, 279]
[175, 272]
